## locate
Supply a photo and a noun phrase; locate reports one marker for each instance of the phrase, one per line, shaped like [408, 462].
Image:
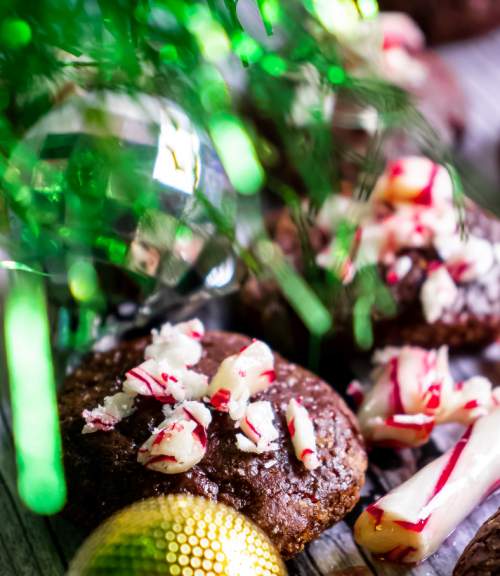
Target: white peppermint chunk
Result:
[257, 425]
[467, 259]
[156, 379]
[438, 293]
[106, 416]
[195, 384]
[179, 345]
[168, 385]
[180, 442]
[195, 410]
[240, 376]
[193, 328]
[301, 431]
[399, 269]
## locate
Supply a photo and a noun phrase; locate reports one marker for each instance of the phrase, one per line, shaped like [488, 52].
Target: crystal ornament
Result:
[104, 194]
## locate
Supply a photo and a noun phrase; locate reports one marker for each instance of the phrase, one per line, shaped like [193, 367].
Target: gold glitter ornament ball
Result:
[178, 535]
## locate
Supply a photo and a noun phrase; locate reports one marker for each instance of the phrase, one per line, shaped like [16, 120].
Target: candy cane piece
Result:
[180, 442]
[414, 390]
[438, 293]
[466, 259]
[416, 180]
[240, 376]
[301, 431]
[105, 417]
[156, 379]
[257, 425]
[179, 345]
[410, 522]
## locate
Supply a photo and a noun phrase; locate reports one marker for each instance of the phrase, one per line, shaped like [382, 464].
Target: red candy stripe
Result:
[452, 462]
[220, 399]
[270, 375]
[425, 195]
[161, 458]
[199, 432]
[252, 427]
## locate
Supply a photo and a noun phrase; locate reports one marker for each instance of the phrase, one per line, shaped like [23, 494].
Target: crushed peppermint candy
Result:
[240, 376]
[179, 344]
[438, 294]
[416, 180]
[257, 425]
[411, 207]
[165, 384]
[412, 391]
[301, 431]
[105, 417]
[179, 442]
[466, 259]
[399, 270]
[156, 379]
[160, 376]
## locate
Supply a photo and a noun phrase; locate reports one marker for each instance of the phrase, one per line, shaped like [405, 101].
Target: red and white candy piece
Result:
[179, 344]
[301, 431]
[400, 31]
[410, 522]
[152, 378]
[240, 376]
[416, 180]
[164, 383]
[398, 270]
[400, 408]
[413, 391]
[257, 425]
[466, 259]
[438, 293]
[180, 442]
[469, 400]
[105, 417]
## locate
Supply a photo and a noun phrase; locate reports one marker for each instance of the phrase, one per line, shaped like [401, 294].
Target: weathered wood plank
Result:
[31, 545]
[336, 550]
[24, 536]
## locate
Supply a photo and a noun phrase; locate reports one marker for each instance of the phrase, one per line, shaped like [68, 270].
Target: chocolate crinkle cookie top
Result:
[482, 555]
[213, 414]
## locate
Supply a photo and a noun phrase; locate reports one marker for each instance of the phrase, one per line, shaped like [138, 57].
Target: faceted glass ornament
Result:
[105, 192]
[178, 535]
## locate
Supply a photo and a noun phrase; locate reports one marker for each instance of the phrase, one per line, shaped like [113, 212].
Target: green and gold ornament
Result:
[178, 535]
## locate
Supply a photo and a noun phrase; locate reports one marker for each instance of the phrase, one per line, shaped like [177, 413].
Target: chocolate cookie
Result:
[290, 502]
[449, 19]
[470, 318]
[473, 319]
[482, 555]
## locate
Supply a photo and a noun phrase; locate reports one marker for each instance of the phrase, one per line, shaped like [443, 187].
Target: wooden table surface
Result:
[32, 546]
